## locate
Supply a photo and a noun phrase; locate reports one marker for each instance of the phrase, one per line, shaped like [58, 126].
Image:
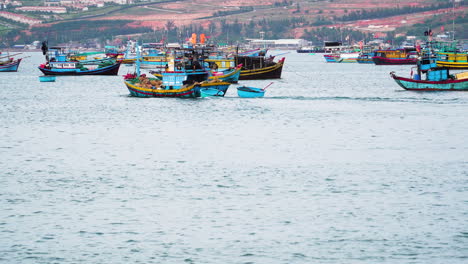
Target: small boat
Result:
[208, 91]
[47, 78]
[251, 92]
[436, 78]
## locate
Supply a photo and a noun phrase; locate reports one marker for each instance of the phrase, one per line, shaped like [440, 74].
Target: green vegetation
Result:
[436, 23]
[388, 12]
[78, 31]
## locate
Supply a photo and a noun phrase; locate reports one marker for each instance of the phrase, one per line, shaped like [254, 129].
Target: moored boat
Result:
[258, 68]
[429, 77]
[395, 57]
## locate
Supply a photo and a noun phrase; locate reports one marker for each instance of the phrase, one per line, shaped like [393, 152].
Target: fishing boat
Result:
[177, 87]
[430, 77]
[174, 82]
[348, 57]
[76, 68]
[11, 65]
[47, 78]
[396, 56]
[259, 67]
[58, 64]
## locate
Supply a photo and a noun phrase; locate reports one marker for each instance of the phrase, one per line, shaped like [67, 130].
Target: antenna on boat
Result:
[453, 20]
[137, 59]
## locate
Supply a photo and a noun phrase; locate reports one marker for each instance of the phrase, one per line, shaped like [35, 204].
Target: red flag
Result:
[442, 28]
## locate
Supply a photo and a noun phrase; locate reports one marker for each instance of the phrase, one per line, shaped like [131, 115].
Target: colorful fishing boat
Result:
[153, 87]
[395, 57]
[11, 65]
[435, 78]
[258, 68]
[57, 63]
[76, 68]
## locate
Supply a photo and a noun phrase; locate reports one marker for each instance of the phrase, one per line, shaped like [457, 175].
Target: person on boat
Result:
[197, 65]
[214, 66]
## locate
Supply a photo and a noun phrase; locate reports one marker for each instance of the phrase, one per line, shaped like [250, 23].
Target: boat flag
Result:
[194, 39]
[202, 38]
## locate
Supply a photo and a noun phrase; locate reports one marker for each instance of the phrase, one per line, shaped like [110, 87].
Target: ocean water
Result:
[336, 164]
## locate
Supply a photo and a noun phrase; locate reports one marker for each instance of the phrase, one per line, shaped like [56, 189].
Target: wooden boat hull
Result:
[191, 91]
[109, 70]
[421, 85]
[270, 72]
[393, 61]
[250, 92]
[10, 66]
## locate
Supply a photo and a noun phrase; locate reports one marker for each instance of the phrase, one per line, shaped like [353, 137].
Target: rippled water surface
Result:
[337, 164]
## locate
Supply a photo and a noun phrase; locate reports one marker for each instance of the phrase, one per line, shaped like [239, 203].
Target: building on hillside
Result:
[20, 18]
[278, 43]
[52, 2]
[47, 9]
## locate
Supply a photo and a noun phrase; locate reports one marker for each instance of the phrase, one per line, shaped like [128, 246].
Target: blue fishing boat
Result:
[47, 78]
[58, 64]
[76, 68]
[429, 77]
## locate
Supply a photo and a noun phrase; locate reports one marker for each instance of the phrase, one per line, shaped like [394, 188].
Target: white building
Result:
[278, 43]
[20, 18]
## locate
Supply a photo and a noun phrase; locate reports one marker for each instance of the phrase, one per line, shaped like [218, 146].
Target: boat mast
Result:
[453, 20]
[137, 59]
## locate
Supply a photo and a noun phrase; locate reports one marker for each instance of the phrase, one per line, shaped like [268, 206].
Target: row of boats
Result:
[200, 70]
[191, 71]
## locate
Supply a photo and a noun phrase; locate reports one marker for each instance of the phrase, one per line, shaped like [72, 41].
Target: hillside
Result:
[231, 20]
